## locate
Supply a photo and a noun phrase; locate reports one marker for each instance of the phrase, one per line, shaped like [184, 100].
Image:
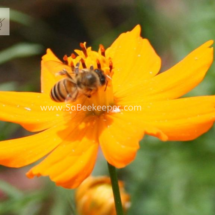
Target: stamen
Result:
[72, 65]
[98, 64]
[83, 63]
[110, 64]
[82, 45]
[102, 49]
[65, 59]
[73, 56]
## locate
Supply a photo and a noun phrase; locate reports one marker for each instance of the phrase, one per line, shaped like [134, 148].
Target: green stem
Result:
[115, 187]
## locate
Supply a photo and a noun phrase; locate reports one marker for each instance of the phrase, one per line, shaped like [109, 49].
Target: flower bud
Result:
[95, 197]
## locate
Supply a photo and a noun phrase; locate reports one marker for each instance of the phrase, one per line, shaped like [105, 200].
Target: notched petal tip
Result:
[157, 133]
[29, 174]
[48, 52]
[49, 56]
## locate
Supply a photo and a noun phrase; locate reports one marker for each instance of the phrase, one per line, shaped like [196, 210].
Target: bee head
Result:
[102, 77]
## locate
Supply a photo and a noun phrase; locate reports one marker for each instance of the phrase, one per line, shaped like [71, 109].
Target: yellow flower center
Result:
[102, 99]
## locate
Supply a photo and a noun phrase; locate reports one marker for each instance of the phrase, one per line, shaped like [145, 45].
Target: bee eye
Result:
[101, 76]
[102, 79]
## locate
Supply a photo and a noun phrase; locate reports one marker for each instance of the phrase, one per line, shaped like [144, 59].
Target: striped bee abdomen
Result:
[64, 90]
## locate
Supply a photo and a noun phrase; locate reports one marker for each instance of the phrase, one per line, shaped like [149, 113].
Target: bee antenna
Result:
[108, 77]
[107, 81]
[91, 68]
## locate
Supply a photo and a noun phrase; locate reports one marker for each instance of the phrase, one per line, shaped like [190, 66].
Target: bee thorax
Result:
[88, 81]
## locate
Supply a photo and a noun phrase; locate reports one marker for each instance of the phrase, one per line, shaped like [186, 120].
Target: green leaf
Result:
[10, 190]
[19, 50]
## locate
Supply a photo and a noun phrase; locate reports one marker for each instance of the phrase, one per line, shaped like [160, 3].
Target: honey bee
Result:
[82, 82]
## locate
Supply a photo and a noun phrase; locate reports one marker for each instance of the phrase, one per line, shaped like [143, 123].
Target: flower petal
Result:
[119, 138]
[72, 161]
[50, 66]
[133, 58]
[26, 109]
[180, 119]
[176, 81]
[23, 151]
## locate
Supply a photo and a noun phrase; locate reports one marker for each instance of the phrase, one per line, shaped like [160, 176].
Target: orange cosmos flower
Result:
[95, 197]
[70, 139]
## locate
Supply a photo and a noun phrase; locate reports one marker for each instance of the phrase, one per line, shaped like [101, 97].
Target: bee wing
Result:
[56, 67]
[70, 88]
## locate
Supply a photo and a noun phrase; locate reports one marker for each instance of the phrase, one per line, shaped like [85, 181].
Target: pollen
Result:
[102, 50]
[83, 47]
[73, 56]
[65, 59]
[98, 64]
[86, 59]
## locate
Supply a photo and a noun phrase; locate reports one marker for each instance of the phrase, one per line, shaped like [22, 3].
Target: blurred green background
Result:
[166, 178]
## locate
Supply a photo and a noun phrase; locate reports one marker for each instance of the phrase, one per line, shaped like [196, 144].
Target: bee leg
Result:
[107, 82]
[106, 86]
[71, 97]
[64, 72]
[76, 70]
[87, 95]
[68, 98]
